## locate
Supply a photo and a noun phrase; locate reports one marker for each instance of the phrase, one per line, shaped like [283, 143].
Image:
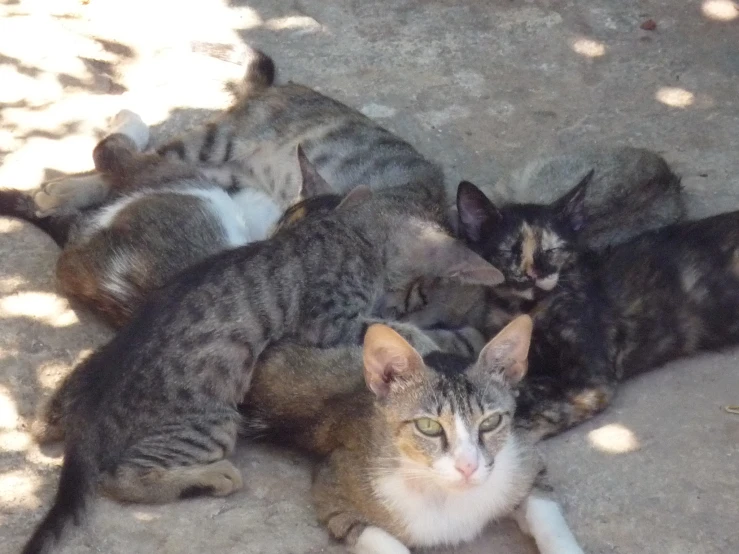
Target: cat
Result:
[161, 217]
[152, 415]
[600, 316]
[424, 454]
[252, 145]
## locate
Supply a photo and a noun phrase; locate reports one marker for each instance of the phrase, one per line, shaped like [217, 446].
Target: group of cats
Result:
[292, 271]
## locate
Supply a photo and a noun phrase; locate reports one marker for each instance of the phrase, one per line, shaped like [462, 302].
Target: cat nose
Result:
[466, 466]
[531, 272]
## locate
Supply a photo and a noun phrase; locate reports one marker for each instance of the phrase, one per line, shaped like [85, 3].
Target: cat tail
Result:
[546, 407]
[76, 483]
[20, 204]
[260, 74]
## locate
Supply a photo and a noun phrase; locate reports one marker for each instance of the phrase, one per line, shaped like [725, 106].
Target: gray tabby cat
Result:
[253, 143]
[153, 413]
[424, 454]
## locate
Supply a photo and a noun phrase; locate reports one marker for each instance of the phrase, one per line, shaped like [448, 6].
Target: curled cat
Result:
[421, 453]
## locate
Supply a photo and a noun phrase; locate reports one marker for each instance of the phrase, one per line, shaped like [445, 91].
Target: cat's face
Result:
[531, 244]
[444, 421]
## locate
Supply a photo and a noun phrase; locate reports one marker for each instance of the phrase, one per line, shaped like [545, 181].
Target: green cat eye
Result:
[491, 423]
[429, 427]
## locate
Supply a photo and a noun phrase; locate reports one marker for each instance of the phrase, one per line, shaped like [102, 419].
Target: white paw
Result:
[224, 477]
[130, 124]
[374, 540]
[543, 520]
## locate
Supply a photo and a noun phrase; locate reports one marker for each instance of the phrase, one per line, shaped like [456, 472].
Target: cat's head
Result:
[530, 243]
[441, 421]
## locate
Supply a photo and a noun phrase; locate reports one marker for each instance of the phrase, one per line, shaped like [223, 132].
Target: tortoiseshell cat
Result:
[153, 412]
[424, 454]
[599, 317]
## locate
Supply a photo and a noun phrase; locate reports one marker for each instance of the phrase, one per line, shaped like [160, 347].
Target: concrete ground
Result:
[479, 85]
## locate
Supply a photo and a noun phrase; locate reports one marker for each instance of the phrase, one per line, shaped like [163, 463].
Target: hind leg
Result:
[178, 461]
[127, 135]
[159, 484]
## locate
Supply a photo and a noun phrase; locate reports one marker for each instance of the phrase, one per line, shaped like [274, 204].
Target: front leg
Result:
[542, 519]
[335, 509]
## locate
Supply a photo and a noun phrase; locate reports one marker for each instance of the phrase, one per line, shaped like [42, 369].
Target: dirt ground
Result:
[479, 85]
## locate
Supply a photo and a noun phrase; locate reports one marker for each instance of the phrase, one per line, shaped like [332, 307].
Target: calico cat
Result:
[600, 317]
[633, 190]
[424, 454]
[152, 415]
[252, 145]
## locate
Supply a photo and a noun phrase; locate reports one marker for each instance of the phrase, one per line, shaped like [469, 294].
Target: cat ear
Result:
[451, 259]
[476, 214]
[571, 207]
[357, 195]
[389, 361]
[505, 357]
[312, 183]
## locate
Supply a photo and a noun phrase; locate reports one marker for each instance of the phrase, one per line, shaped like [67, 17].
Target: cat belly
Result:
[437, 517]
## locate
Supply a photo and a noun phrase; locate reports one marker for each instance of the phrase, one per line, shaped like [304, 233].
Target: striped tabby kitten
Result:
[424, 454]
[152, 415]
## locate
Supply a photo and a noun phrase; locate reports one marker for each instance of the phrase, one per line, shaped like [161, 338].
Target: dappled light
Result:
[720, 10]
[8, 409]
[43, 306]
[588, 47]
[675, 97]
[145, 516]
[18, 489]
[8, 225]
[613, 438]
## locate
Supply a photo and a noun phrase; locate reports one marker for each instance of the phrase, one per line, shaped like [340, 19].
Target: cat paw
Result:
[223, 478]
[374, 540]
[130, 124]
[69, 194]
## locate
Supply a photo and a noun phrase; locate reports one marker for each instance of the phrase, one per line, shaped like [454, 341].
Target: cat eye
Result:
[490, 423]
[429, 427]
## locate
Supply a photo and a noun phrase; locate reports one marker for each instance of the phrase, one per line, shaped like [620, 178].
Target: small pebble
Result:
[649, 25]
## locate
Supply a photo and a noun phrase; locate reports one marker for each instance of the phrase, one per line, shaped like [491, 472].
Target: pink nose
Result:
[466, 467]
[531, 272]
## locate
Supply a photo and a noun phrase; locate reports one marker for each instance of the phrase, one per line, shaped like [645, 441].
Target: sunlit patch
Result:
[10, 225]
[18, 488]
[675, 97]
[589, 47]
[720, 10]
[293, 22]
[145, 516]
[43, 306]
[614, 439]
[8, 410]
[14, 441]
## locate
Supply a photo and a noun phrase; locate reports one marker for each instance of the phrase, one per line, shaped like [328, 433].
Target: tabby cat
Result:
[599, 317]
[153, 415]
[424, 454]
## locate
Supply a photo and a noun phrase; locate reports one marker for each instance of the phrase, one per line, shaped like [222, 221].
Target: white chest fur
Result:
[437, 517]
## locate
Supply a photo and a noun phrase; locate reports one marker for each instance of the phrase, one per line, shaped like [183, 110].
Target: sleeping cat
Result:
[424, 454]
[599, 317]
[153, 412]
[252, 145]
[162, 216]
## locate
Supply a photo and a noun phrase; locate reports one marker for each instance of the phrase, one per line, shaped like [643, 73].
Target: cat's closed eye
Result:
[429, 427]
[490, 423]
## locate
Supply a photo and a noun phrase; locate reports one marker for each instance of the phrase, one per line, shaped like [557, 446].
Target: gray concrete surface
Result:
[477, 84]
